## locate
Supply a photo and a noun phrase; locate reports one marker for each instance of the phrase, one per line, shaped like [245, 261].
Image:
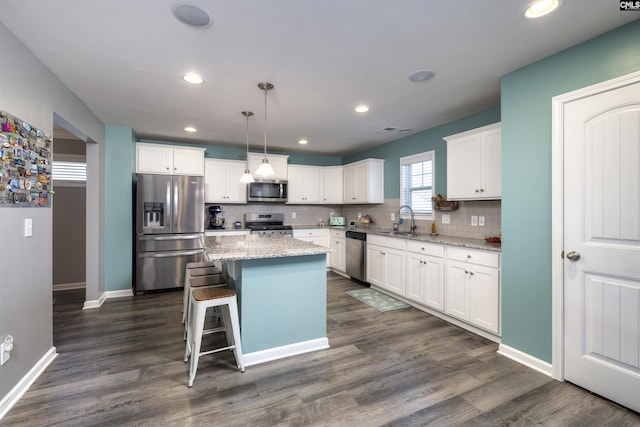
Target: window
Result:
[69, 173]
[417, 183]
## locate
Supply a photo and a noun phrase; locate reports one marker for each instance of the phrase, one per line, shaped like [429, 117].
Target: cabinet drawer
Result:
[389, 242]
[426, 248]
[486, 258]
[320, 232]
[338, 233]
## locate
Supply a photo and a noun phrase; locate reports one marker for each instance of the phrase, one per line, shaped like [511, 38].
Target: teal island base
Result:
[282, 305]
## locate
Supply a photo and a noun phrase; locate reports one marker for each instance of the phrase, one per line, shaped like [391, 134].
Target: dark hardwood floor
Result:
[121, 365]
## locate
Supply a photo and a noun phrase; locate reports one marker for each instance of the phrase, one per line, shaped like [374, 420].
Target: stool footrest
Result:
[217, 350]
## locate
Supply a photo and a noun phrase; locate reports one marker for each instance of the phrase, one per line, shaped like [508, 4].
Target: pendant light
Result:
[247, 177]
[265, 168]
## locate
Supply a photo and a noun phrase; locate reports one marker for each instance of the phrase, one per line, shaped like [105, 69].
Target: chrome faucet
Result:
[413, 225]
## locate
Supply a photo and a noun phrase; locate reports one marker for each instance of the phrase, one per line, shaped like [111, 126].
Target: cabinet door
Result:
[362, 183]
[296, 184]
[375, 267]
[236, 191]
[433, 277]
[332, 185]
[156, 159]
[456, 301]
[492, 164]
[304, 184]
[214, 181]
[393, 274]
[484, 298]
[463, 168]
[349, 182]
[312, 184]
[415, 289]
[188, 161]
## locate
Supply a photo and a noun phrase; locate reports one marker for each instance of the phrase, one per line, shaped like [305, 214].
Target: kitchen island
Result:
[281, 285]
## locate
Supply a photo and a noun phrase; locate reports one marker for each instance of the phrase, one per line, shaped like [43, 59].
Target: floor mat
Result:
[377, 300]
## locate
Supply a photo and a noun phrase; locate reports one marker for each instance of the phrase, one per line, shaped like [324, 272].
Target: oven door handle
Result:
[168, 254]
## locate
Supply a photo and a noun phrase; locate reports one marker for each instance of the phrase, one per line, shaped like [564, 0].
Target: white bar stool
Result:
[200, 300]
[195, 269]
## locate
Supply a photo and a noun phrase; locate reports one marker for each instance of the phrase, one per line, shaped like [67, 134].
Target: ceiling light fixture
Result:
[420, 75]
[265, 168]
[303, 142]
[361, 109]
[541, 7]
[247, 177]
[190, 129]
[193, 78]
[191, 14]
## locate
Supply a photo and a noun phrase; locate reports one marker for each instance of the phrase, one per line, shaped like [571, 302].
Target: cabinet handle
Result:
[466, 272]
[482, 189]
[477, 191]
[167, 167]
[468, 256]
[471, 273]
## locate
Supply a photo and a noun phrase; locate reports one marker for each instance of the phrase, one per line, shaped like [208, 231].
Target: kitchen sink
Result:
[402, 233]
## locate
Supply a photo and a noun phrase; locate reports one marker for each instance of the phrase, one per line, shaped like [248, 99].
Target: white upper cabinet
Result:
[363, 181]
[222, 181]
[278, 162]
[305, 184]
[332, 185]
[474, 164]
[169, 159]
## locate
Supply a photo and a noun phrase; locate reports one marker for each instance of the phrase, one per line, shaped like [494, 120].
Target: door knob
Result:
[573, 256]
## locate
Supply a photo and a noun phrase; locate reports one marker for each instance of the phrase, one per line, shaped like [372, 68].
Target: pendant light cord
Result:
[265, 122]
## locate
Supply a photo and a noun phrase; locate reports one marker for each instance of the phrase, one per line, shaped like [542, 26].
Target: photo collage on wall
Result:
[25, 164]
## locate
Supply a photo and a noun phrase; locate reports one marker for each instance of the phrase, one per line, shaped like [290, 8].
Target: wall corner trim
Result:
[23, 385]
[526, 359]
[288, 350]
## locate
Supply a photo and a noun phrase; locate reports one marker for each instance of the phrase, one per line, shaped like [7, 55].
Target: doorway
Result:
[596, 239]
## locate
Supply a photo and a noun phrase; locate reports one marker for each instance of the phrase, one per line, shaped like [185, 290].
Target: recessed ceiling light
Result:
[192, 14]
[190, 129]
[361, 109]
[420, 75]
[303, 142]
[193, 78]
[541, 7]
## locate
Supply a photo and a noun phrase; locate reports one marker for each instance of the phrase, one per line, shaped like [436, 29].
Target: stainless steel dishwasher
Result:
[356, 254]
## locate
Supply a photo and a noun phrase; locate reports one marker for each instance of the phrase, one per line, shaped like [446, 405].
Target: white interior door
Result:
[602, 243]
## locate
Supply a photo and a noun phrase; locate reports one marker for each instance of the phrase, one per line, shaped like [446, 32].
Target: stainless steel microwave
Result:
[267, 190]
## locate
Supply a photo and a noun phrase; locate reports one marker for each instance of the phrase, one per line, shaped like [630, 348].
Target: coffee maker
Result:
[216, 221]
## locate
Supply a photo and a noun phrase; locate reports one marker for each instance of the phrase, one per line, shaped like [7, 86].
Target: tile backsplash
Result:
[460, 220]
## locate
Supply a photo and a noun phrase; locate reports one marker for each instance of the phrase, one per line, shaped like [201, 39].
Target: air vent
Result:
[386, 129]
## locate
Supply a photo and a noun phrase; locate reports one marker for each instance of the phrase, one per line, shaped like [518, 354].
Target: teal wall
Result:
[526, 176]
[430, 139]
[119, 166]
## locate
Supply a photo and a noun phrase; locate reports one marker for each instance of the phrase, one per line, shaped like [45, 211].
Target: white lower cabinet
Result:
[425, 274]
[338, 256]
[317, 236]
[385, 263]
[473, 287]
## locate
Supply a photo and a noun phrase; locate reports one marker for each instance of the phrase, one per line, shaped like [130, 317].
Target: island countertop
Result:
[228, 248]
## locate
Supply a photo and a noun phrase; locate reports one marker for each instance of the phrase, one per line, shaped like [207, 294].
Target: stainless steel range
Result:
[268, 224]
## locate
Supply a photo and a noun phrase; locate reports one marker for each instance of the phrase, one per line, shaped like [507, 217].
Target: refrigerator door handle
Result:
[168, 221]
[157, 237]
[166, 254]
[176, 193]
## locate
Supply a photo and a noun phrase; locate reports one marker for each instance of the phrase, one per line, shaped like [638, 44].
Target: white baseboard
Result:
[289, 350]
[109, 294]
[526, 359]
[23, 385]
[69, 286]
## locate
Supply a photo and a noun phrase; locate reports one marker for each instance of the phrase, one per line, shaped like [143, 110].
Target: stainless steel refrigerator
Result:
[169, 229]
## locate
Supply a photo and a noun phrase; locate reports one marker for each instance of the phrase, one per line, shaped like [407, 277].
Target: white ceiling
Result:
[124, 59]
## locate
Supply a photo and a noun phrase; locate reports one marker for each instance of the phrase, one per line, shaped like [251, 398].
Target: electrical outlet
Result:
[293, 215]
[393, 216]
[330, 214]
[446, 219]
[481, 221]
[474, 220]
[359, 215]
[5, 349]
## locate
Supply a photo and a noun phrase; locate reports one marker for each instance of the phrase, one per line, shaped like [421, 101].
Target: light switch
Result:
[474, 220]
[293, 215]
[446, 219]
[481, 221]
[28, 227]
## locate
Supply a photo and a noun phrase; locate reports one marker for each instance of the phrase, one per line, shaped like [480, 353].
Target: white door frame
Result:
[557, 209]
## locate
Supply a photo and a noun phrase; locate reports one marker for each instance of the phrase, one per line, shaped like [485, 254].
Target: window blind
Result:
[417, 182]
[69, 171]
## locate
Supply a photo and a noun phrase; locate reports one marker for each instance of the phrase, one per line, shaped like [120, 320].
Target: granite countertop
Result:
[445, 240]
[227, 248]
[464, 242]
